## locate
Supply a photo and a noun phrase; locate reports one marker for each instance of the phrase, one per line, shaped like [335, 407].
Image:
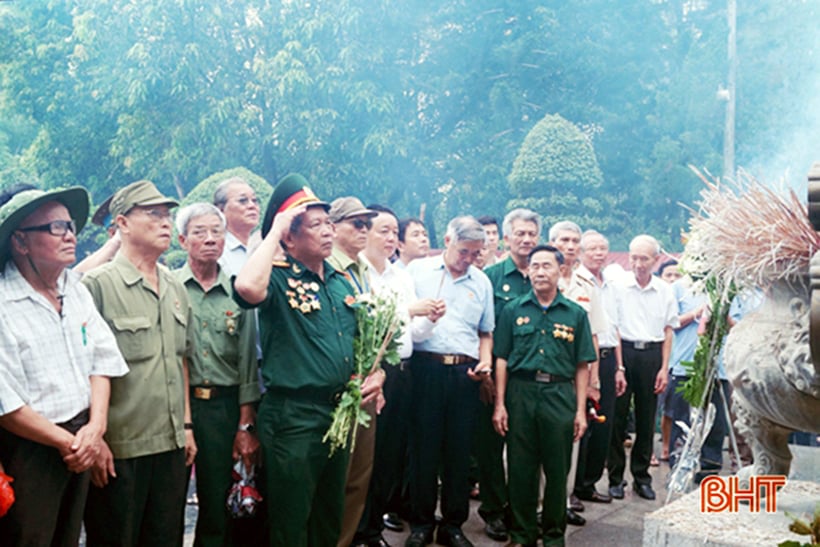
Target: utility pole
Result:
[729, 133]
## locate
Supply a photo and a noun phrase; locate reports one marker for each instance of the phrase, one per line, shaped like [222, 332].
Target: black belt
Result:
[540, 377]
[641, 346]
[606, 352]
[321, 395]
[448, 359]
[206, 393]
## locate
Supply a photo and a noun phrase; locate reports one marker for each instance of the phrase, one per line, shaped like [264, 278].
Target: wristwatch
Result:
[621, 369]
[595, 385]
[247, 428]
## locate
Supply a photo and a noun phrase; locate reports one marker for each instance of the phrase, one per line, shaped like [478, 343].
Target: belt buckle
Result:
[543, 377]
[204, 393]
[605, 353]
[640, 345]
[448, 359]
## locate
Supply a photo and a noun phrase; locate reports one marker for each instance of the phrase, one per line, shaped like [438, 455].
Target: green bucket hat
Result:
[26, 202]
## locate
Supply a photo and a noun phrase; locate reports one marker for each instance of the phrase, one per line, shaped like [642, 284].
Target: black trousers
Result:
[143, 505]
[594, 446]
[390, 458]
[49, 499]
[445, 403]
[642, 367]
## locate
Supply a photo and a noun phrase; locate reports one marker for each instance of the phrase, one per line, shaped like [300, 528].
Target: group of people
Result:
[119, 374]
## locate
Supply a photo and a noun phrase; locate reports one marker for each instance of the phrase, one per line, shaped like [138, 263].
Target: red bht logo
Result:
[719, 494]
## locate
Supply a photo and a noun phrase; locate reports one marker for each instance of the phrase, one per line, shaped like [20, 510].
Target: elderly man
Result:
[238, 202]
[352, 222]
[594, 446]
[647, 317]
[56, 358]
[413, 241]
[447, 368]
[307, 339]
[566, 237]
[509, 278]
[543, 345]
[150, 434]
[223, 379]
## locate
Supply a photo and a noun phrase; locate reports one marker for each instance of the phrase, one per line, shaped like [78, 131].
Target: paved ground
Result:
[616, 523]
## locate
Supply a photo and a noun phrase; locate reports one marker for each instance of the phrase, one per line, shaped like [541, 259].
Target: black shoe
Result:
[381, 542]
[594, 496]
[496, 529]
[617, 491]
[452, 538]
[575, 504]
[644, 490]
[393, 522]
[574, 518]
[419, 539]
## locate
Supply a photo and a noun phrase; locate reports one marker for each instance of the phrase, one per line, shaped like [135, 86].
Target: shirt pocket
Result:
[226, 334]
[134, 337]
[180, 332]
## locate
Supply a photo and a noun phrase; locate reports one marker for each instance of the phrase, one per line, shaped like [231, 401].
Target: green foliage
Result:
[422, 103]
[204, 191]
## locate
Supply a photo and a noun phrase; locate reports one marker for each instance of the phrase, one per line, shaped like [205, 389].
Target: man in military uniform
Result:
[307, 331]
[542, 344]
[150, 434]
[223, 370]
[565, 236]
[521, 228]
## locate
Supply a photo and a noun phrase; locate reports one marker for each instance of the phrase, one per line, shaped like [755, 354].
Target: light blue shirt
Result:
[686, 338]
[469, 301]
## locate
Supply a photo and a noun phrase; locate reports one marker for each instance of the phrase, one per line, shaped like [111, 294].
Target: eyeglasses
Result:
[201, 233]
[156, 214]
[359, 223]
[55, 227]
[244, 201]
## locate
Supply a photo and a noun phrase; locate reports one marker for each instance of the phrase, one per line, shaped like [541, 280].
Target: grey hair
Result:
[465, 228]
[196, 210]
[521, 214]
[591, 233]
[221, 192]
[563, 226]
[645, 238]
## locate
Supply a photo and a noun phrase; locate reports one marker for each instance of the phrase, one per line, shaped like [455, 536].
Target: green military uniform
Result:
[307, 332]
[537, 342]
[508, 283]
[147, 407]
[222, 375]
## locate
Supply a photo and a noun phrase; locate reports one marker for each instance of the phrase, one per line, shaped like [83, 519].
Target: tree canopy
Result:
[406, 103]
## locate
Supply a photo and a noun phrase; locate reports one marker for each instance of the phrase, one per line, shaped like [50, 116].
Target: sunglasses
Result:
[55, 227]
[359, 223]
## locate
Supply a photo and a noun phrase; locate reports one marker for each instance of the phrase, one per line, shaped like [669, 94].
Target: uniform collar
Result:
[222, 279]
[509, 268]
[559, 300]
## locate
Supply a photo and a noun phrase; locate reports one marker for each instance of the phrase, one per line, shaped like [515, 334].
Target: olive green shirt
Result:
[534, 339]
[508, 283]
[223, 345]
[147, 406]
[307, 328]
[355, 271]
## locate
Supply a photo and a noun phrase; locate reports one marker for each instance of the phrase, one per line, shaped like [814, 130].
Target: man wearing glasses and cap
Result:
[56, 357]
[138, 492]
[307, 331]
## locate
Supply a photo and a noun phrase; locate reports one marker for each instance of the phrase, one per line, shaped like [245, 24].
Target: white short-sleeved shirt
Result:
[47, 358]
[645, 312]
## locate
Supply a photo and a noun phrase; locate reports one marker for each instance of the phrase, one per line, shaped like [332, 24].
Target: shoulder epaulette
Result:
[280, 264]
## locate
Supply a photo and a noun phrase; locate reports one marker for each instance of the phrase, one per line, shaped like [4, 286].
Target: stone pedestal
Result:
[681, 524]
